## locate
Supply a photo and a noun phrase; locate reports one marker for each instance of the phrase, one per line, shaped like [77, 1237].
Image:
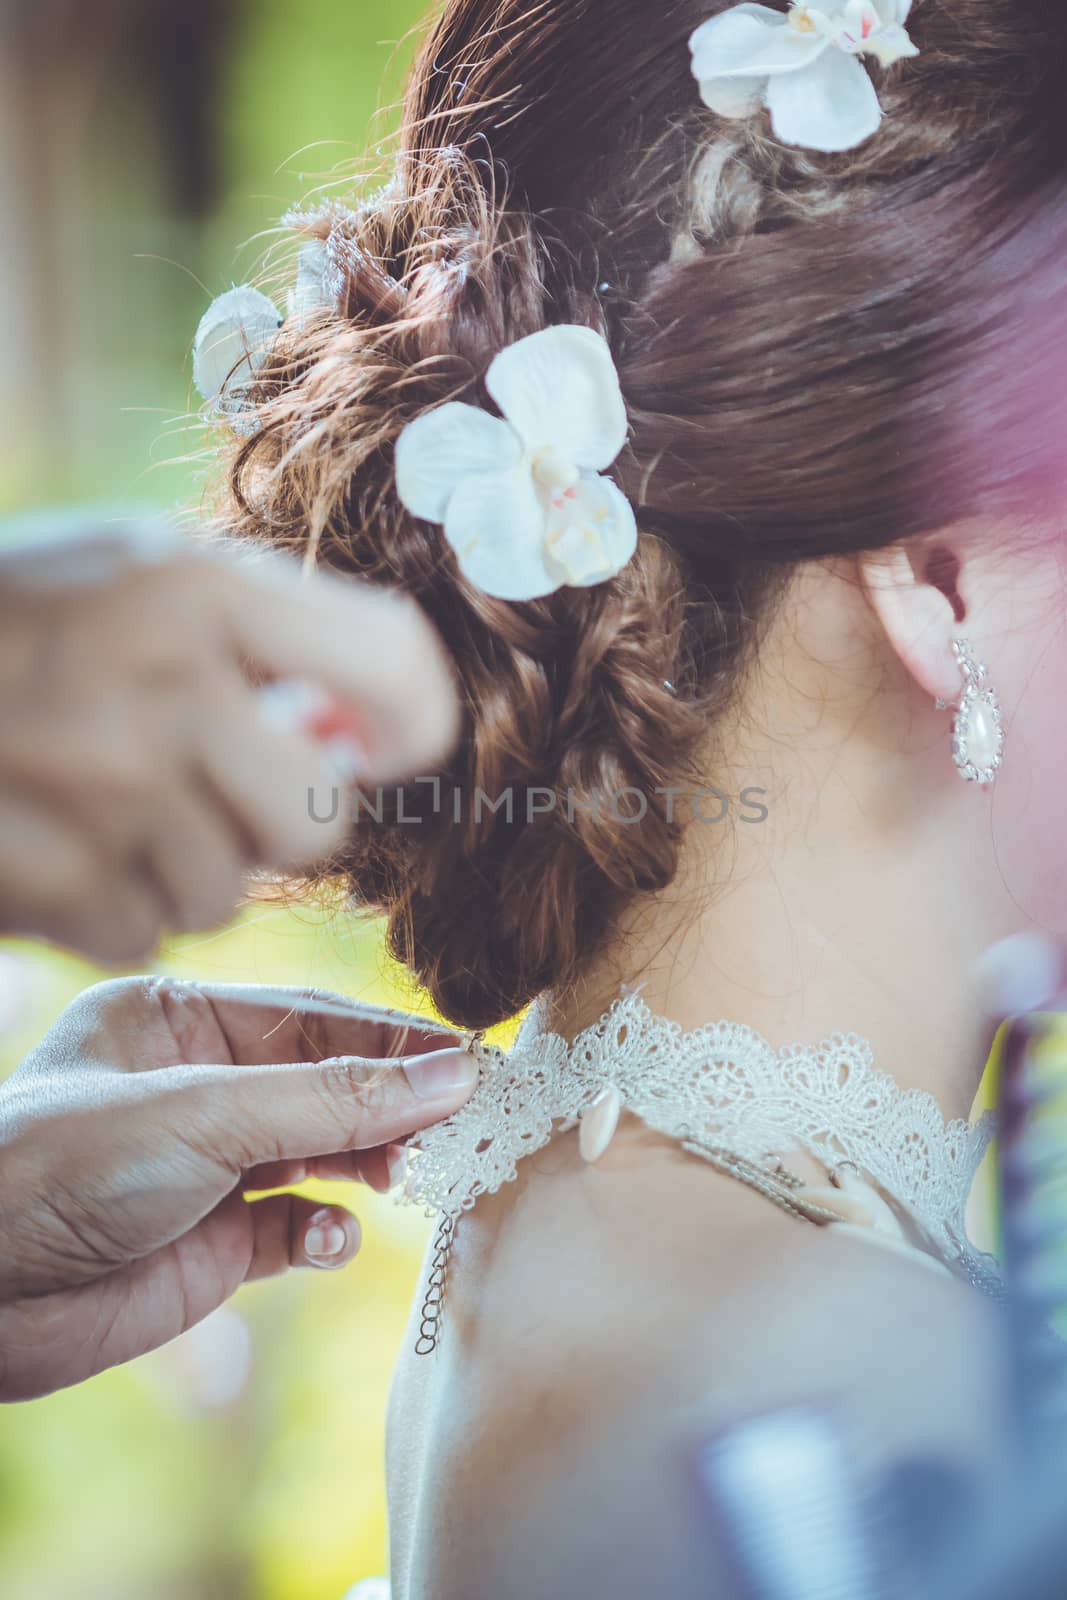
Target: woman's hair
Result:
[820, 354]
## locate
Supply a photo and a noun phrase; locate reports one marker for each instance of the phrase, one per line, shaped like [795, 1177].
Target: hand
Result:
[139, 779]
[131, 1135]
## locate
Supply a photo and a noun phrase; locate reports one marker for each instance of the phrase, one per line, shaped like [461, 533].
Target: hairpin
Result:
[521, 497]
[803, 65]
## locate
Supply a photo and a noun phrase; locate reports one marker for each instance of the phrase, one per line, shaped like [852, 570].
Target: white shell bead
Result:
[981, 740]
[597, 1124]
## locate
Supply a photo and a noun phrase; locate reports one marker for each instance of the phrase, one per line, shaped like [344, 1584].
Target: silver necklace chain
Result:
[782, 1187]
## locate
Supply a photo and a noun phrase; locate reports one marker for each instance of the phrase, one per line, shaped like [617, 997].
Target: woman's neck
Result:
[860, 903]
[799, 951]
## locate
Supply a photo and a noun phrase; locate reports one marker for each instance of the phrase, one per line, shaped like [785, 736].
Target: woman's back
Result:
[599, 1319]
[602, 1308]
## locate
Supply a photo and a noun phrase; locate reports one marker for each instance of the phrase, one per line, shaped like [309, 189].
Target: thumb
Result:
[250, 1116]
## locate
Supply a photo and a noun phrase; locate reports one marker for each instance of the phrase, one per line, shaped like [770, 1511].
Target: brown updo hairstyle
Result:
[819, 353]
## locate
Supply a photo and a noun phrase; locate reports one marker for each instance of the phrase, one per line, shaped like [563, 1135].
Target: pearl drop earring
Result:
[977, 734]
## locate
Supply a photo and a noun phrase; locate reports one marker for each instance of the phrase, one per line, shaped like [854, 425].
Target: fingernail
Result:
[325, 1241]
[396, 1161]
[442, 1074]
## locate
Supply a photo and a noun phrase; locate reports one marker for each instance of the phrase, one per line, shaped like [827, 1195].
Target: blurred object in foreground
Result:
[1022, 983]
[797, 1518]
[783, 1497]
[1033, 1189]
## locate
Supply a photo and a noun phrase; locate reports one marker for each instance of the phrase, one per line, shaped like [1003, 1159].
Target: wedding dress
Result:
[892, 1169]
[893, 1165]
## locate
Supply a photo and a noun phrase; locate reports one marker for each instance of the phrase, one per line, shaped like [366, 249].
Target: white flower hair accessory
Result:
[231, 344]
[238, 328]
[521, 498]
[803, 65]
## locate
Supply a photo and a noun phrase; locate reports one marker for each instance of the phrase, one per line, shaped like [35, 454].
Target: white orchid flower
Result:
[231, 344]
[803, 65]
[522, 500]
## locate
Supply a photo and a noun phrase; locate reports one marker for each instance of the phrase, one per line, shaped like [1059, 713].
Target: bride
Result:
[693, 373]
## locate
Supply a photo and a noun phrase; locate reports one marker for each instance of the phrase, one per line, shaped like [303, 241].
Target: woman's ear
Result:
[914, 592]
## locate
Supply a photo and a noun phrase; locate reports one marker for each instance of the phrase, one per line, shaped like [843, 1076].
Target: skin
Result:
[600, 1321]
[807, 923]
[132, 1136]
[139, 781]
[599, 1316]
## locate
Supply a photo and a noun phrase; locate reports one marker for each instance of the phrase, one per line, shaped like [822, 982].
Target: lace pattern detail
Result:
[721, 1082]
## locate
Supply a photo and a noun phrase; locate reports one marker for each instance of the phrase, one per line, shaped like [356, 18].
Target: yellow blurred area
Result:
[245, 1459]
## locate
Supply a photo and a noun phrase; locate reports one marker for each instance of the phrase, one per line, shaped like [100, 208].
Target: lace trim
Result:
[723, 1082]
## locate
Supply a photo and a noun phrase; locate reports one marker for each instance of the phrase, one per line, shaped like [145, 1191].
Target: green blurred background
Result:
[147, 145]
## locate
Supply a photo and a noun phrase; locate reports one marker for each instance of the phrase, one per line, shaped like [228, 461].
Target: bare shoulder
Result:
[600, 1320]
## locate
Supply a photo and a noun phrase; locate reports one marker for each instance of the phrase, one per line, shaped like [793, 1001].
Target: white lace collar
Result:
[722, 1081]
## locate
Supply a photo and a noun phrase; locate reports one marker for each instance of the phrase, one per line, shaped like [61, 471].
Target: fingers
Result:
[123, 925]
[197, 858]
[381, 1170]
[52, 1341]
[247, 1117]
[282, 1025]
[279, 787]
[44, 863]
[291, 1231]
[372, 647]
[57, 887]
